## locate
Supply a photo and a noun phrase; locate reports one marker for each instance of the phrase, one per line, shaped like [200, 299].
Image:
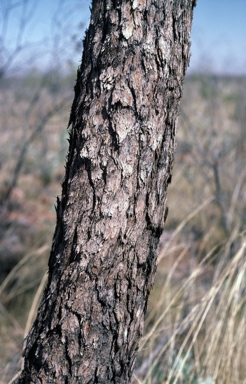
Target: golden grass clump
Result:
[196, 325]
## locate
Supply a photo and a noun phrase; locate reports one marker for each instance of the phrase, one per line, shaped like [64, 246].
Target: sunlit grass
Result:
[196, 328]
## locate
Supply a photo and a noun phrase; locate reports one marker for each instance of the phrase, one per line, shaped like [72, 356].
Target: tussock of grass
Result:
[198, 335]
[20, 292]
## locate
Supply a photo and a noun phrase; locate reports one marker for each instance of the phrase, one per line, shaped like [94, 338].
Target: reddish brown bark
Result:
[113, 203]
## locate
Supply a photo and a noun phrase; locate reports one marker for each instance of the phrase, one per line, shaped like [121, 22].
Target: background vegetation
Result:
[196, 322]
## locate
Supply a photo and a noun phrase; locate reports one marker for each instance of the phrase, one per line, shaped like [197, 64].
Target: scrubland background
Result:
[195, 328]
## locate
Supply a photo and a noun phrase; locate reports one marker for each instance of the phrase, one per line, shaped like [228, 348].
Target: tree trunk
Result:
[113, 203]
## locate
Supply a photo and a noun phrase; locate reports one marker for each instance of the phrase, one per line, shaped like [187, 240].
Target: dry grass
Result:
[197, 322]
[195, 327]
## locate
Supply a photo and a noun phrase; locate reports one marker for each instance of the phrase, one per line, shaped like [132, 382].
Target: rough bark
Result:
[113, 204]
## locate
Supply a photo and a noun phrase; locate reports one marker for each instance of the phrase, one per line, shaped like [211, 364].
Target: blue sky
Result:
[219, 36]
[218, 33]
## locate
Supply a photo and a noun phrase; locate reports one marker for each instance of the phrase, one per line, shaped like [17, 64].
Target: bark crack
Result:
[68, 359]
[88, 166]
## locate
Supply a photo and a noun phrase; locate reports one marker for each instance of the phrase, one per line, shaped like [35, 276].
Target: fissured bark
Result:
[113, 204]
